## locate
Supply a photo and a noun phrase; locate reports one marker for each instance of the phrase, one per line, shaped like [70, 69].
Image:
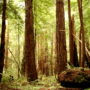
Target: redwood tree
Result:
[82, 45]
[60, 37]
[72, 44]
[70, 34]
[29, 47]
[2, 45]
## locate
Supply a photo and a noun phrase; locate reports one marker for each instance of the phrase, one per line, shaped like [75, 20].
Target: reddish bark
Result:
[82, 46]
[29, 48]
[60, 37]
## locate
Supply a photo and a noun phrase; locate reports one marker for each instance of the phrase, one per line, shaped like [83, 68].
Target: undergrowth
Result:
[43, 82]
[21, 83]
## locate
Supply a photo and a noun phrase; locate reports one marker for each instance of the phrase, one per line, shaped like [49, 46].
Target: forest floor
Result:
[43, 83]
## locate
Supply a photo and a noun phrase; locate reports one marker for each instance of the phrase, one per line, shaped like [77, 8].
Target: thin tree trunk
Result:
[75, 55]
[71, 42]
[29, 48]
[18, 52]
[60, 37]
[73, 49]
[41, 55]
[6, 48]
[46, 66]
[51, 62]
[80, 47]
[38, 51]
[82, 33]
[2, 46]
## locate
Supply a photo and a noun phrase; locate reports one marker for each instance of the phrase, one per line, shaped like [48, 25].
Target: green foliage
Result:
[43, 14]
[86, 12]
[12, 10]
[45, 82]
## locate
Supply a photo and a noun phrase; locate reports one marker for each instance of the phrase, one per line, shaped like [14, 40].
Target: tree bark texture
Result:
[29, 48]
[71, 42]
[60, 37]
[74, 46]
[82, 61]
[2, 45]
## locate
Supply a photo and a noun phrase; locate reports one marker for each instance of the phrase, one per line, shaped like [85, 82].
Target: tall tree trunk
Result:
[51, 61]
[80, 47]
[60, 37]
[71, 42]
[41, 52]
[82, 33]
[29, 48]
[46, 65]
[2, 46]
[6, 48]
[38, 51]
[74, 47]
[18, 51]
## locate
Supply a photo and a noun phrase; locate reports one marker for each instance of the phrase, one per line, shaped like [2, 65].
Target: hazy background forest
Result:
[15, 70]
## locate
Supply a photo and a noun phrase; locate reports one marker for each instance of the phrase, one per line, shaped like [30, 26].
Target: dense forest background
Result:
[41, 38]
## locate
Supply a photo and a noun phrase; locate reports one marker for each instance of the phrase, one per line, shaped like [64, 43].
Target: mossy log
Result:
[75, 78]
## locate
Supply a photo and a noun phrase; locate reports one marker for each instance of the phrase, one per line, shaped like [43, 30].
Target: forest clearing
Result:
[44, 45]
